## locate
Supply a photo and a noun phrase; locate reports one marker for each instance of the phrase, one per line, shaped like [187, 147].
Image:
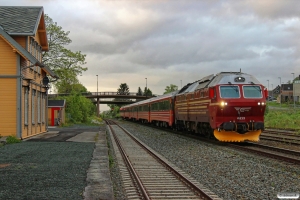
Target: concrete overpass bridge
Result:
[107, 97]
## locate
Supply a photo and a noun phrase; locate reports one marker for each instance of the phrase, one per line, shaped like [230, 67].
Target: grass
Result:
[12, 140]
[285, 118]
[91, 121]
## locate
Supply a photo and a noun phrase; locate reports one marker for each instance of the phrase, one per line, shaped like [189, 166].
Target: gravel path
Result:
[229, 173]
[44, 170]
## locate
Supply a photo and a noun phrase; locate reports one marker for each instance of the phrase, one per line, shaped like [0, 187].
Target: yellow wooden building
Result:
[23, 95]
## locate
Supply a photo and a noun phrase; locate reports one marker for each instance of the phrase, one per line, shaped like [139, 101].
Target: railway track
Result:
[270, 151]
[147, 175]
[265, 150]
[281, 136]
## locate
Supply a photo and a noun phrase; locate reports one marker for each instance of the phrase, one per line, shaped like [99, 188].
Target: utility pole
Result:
[272, 89]
[293, 89]
[268, 89]
[97, 98]
[280, 89]
[146, 88]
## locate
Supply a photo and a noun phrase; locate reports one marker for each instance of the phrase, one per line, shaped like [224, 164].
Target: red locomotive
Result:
[229, 106]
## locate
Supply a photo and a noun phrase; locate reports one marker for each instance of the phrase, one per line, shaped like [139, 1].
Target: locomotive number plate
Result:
[241, 118]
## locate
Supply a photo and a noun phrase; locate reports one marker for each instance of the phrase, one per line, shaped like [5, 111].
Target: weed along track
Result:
[147, 175]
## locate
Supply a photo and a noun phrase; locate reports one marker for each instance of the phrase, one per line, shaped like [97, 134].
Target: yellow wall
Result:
[8, 111]
[8, 86]
[8, 61]
[8, 91]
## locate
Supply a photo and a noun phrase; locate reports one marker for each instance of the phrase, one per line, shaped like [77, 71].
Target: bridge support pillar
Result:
[98, 111]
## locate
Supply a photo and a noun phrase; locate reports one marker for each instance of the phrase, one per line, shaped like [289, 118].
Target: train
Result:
[228, 106]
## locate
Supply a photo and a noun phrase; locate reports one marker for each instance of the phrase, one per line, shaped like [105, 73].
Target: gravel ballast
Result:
[229, 173]
[44, 170]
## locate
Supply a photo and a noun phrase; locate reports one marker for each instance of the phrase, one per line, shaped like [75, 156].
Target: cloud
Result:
[170, 42]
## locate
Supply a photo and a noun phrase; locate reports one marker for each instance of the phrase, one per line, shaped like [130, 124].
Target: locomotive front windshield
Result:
[231, 91]
[252, 91]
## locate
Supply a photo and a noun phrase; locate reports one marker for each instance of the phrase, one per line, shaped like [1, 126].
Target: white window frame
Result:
[33, 106]
[26, 105]
[39, 106]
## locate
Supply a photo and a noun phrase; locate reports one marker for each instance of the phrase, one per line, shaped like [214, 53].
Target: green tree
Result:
[78, 107]
[64, 87]
[62, 61]
[140, 92]
[123, 90]
[147, 92]
[295, 79]
[170, 88]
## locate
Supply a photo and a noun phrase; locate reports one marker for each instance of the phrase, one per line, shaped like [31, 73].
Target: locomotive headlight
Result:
[262, 103]
[258, 103]
[223, 103]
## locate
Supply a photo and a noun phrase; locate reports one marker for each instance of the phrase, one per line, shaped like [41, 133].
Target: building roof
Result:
[287, 87]
[24, 21]
[20, 20]
[56, 103]
[17, 47]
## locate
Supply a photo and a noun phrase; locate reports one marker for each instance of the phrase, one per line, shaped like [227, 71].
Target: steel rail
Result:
[282, 140]
[286, 151]
[268, 154]
[187, 182]
[281, 135]
[129, 165]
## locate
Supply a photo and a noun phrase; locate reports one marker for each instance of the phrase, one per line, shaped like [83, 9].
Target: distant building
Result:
[56, 112]
[286, 92]
[297, 90]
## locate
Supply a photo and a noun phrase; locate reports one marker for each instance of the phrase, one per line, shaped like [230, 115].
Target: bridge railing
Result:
[100, 93]
[107, 93]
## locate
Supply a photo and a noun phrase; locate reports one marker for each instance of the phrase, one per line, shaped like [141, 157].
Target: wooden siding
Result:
[32, 79]
[37, 39]
[37, 127]
[8, 111]
[7, 59]
[21, 40]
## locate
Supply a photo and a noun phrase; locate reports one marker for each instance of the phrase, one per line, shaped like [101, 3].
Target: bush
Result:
[12, 140]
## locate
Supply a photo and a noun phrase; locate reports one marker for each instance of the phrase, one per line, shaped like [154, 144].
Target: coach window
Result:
[231, 91]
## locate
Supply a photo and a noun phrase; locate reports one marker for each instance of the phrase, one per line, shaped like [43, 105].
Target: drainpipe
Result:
[46, 113]
[19, 98]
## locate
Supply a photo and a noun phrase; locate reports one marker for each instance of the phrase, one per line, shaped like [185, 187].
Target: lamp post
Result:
[272, 89]
[293, 89]
[146, 88]
[280, 89]
[268, 88]
[97, 98]
[97, 84]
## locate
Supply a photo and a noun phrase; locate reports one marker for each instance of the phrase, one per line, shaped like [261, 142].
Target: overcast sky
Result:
[164, 41]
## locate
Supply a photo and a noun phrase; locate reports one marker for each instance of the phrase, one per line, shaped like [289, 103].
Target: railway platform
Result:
[63, 163]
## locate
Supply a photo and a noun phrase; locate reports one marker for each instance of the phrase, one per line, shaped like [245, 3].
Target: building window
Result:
[31, 42]
[26, 105]
[39, 106]
[33, 106]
